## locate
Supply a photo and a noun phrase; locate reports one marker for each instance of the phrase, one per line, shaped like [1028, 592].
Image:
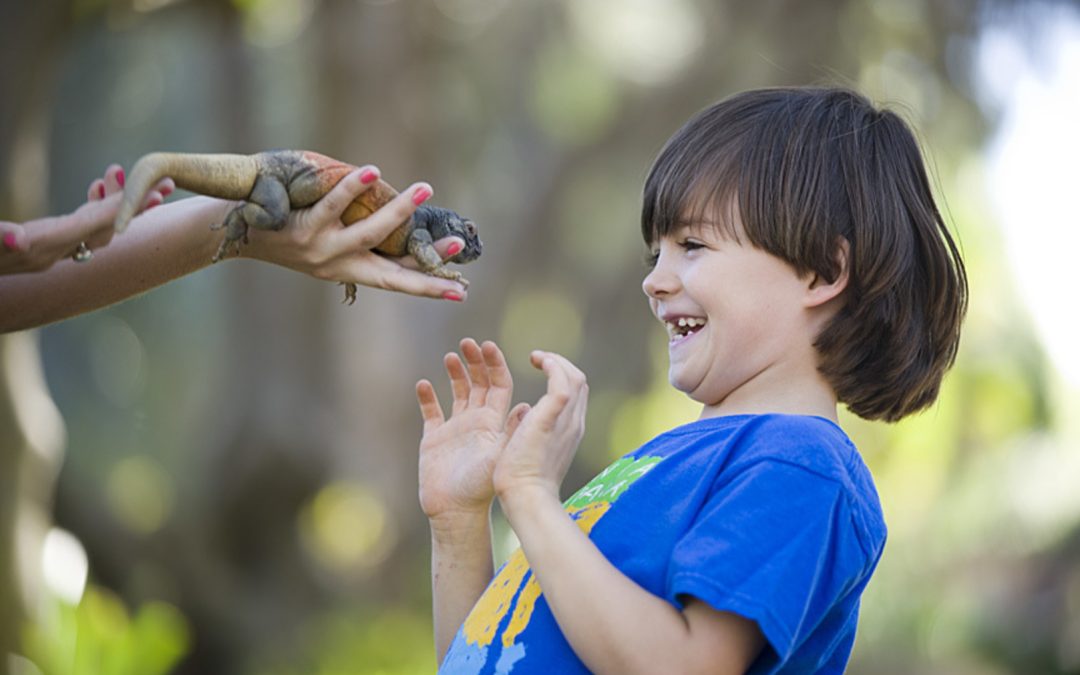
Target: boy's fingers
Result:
[474, 359]
[514, 419]
[371, 231]
[459, 381]
[502, 384]
[430, 409]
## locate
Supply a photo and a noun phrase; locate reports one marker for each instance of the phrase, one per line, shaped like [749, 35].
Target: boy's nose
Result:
[658, 283]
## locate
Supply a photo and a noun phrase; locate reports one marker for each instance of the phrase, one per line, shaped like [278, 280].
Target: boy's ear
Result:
[820, 290]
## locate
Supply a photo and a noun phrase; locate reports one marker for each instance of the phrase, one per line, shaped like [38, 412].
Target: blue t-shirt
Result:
[772, 517]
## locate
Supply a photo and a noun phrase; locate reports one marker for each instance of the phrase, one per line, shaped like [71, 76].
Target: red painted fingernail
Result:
[152, 203]
[452, 295]
[421, 196]
[454, 249]
[120, 178]
[368, 176]
[101, 190]
[165, 191]
[9, 240]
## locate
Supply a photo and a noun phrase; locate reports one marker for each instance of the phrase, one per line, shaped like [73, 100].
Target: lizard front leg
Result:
[267, 208]
[422, 249]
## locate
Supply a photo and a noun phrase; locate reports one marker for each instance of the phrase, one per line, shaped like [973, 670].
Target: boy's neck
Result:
[806, 393]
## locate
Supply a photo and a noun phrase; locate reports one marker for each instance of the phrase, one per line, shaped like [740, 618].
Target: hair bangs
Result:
[694, 182]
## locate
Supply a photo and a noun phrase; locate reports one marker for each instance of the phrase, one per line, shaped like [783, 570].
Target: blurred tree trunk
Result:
[31, 430]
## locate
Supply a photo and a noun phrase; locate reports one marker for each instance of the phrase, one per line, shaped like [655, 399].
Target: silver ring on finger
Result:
[82, 253]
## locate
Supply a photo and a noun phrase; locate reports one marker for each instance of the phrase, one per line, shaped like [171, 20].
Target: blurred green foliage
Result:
[99, 636]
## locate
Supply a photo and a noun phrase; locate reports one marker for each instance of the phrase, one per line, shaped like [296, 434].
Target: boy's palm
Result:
[541, 444]
[458, 455]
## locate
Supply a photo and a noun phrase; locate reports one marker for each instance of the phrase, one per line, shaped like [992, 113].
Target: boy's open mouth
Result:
[683, 327]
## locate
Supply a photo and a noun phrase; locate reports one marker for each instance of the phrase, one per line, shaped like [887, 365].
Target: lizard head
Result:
[442, 222]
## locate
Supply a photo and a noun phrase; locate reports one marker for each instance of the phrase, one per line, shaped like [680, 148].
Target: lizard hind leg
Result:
[267, 208]
[235, 232]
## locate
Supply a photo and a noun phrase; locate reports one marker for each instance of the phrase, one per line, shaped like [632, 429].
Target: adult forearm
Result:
[163, 244]
[461, 568]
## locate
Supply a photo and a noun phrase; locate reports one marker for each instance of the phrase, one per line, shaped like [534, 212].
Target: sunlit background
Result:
[221, 474]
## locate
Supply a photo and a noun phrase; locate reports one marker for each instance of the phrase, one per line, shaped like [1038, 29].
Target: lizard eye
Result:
[470, 227]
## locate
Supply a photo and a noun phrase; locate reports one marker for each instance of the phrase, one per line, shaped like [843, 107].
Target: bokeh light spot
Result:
[140, 494]
[347, 528]
[540, 320]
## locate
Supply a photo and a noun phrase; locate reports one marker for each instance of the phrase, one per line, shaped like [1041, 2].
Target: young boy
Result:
[799, 262]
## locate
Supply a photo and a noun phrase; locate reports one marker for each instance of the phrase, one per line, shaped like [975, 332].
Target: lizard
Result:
[272, 183]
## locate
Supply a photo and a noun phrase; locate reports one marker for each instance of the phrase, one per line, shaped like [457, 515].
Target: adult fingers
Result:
[459, 381]
[334, 203]
[114, 179]
[474, 359]
[379, 272]
[14, 237]
[430, 409]
[84, 223]
[373, 230]
[96, 190]
[447, 247]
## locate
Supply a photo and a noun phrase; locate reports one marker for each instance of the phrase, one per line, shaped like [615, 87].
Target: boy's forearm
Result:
[461, 568]
[613, 625]
[163, 244]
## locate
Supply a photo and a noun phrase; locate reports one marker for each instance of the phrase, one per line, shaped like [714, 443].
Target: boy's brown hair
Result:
[806, 168]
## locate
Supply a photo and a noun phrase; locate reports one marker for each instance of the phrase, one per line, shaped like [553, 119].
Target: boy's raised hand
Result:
[458, 455]
[541, 442]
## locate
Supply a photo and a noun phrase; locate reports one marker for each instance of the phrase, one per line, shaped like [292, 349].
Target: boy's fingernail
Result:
[120, 178]
[368, 176]
[153, 202]
[454, 249]
[453, 295]
[166, 191]
[101, 190]
[9, 240]
[421, 196]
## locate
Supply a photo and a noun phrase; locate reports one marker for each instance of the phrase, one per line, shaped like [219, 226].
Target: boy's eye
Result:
[651, 258]
[690, 245]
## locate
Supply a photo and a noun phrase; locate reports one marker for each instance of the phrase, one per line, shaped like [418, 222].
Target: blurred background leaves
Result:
[240, 456]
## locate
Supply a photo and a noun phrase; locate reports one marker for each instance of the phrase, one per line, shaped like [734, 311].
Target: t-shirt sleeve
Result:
[774, 544]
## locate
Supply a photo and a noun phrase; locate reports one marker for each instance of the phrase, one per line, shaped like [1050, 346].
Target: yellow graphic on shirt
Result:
[586, 507]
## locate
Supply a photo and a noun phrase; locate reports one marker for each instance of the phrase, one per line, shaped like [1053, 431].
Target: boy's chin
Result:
[682, 384]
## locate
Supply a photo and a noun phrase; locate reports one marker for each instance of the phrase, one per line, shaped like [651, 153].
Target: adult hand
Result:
[457, 455]
[541, 442]
[316, 241]
[37, 245]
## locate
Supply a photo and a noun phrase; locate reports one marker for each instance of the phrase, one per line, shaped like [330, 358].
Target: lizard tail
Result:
[220, 175]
